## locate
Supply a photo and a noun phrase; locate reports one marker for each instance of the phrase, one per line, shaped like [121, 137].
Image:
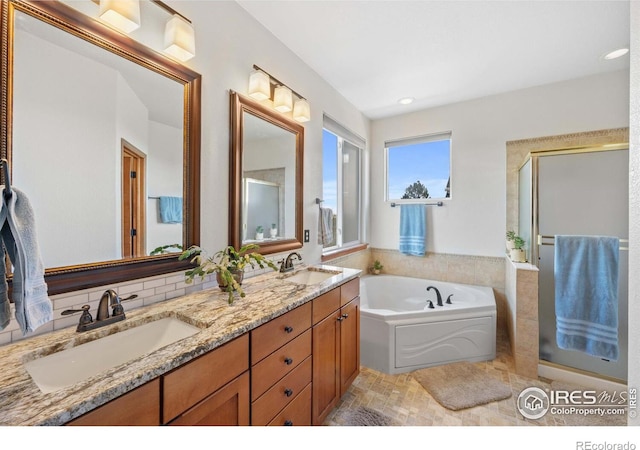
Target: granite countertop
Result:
[267, 296]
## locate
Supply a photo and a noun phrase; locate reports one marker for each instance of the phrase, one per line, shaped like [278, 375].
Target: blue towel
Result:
[29, 290]
[171, 209]
[412, 230]
[586, 291]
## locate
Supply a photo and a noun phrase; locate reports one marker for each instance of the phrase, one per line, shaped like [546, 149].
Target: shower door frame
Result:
[536, 238]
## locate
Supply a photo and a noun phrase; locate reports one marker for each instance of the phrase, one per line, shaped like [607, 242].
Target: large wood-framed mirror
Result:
[97, 128]
[265, 204]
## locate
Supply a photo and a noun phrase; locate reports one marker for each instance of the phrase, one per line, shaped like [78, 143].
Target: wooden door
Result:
[133, 201]
[326, 367]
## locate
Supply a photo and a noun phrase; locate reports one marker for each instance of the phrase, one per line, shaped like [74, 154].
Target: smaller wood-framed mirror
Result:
[266, 163]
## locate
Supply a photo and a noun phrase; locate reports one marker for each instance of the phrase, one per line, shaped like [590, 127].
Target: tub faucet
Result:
[438, 296]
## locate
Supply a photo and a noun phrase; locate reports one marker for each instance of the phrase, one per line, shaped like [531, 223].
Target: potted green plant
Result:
[273, 232]
[376, 268]
[228, 264]
[517, 253]
[510, 237]
[259, 233]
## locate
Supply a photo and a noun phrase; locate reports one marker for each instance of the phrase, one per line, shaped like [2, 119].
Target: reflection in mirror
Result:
[269, 181]
[113, 133]
[103, 135]
[266, 167]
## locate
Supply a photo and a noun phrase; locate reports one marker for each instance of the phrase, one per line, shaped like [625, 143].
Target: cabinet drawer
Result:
[298, 412]
[187, 385]
[279, 363]
[274, 334]
[227, 406]
[325, 304]
[138, 407]
[349, 291]
[281, 394]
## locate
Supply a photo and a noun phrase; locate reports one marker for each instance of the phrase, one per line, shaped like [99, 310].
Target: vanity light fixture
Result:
[282, 99]
[179, 35]
[301, 110]
[121, 14]
[260, 83]
[180, 38]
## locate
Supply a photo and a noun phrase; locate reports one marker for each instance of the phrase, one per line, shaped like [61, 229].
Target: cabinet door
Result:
[349, 344]
[227, 406]
[138, 407]
[326, 367]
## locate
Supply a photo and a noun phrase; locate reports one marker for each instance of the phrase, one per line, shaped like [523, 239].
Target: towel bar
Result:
[541, 237]
[393, 204]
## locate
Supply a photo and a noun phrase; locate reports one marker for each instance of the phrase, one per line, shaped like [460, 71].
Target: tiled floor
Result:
[406, 402]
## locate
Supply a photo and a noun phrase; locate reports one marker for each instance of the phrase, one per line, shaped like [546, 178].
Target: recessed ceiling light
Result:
[406, 100]
[616, 53]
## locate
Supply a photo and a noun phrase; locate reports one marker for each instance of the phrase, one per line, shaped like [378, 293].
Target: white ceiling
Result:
[441, 52]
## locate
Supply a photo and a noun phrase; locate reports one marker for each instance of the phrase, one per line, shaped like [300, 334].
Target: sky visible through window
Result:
[427, 162]
[330, 170]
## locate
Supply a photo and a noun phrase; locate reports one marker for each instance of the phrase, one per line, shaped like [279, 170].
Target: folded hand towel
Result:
[586, 294]
[325, 226]
[412, 229]
[33, 307]
[171, 209]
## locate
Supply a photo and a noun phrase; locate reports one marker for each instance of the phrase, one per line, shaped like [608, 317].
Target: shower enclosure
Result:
[582, 191]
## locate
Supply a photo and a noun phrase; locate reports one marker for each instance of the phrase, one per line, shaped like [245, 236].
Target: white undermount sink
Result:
[67, 367]
[311, 276]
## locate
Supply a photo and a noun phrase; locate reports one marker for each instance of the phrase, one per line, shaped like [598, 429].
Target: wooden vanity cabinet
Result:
[138, 407]
[210, 390]
[336, 347]
[281, 368]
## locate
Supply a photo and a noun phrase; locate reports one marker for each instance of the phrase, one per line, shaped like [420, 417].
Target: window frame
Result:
[421, 139]
[342, 135]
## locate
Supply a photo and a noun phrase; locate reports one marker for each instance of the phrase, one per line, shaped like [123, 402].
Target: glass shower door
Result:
[581, 194]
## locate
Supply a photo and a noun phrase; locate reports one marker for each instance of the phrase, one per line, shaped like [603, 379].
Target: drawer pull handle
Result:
[345, 315]
[340, 319]
[288, 361]
[288, 392]
[288, 329]
[288, 423]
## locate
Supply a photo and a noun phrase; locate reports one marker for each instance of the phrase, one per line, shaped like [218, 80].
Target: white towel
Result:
[29, 290]
[325, 226]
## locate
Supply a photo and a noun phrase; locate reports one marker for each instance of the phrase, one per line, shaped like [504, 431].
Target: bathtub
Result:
[399, 333]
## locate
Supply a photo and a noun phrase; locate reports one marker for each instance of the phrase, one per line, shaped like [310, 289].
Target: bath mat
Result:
[366, 417]
[591, 420]
[461, 385]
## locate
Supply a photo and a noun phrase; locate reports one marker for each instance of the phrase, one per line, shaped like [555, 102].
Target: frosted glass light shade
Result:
[121, 14]
[282, 99]
[301, 110]
[179, 38]
[259, 85]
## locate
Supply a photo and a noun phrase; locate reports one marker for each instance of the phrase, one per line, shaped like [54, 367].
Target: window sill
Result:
[343, 252]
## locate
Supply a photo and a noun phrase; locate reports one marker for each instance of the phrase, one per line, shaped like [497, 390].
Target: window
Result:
[418, 167]
[341, 180]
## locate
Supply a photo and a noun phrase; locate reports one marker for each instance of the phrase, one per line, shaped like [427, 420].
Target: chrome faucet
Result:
[109, 299]
[438, 296]
[286, 265]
